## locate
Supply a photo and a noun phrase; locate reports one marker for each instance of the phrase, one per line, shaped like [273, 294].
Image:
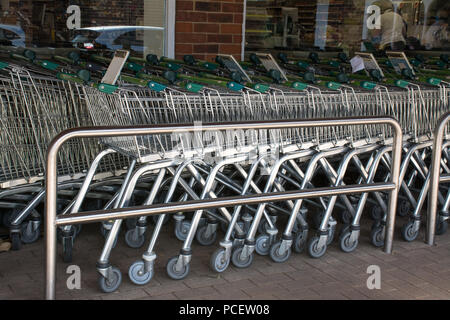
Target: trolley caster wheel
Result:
[219, 263]
[27, 234]
[403, 208]
[299, 242]
[133, 239]
[262, 245]
[377, 236]
[346, 217]
[202, 239]
[137, 274]
[376, 213]
[131, 223]
[67, 249]
[113, 284]
[408, 233]
[275, 255]
[16, 243]
[313, 250]
[441, 227]
[173, 273]
[346, 244]
[238, 262]
[182, 230]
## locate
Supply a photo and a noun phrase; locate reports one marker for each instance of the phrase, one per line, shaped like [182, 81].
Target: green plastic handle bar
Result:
[3, 65]
[156, 86]
[234, 86]
[194, 87]
[299, 85]
[401, 83]
[333, 85]
[210, 66]
[20, 57]
[134, 66]
[63, 59]
[133, 80]
[368, 85]
[303, 64]
[106, 88]
[434, 81]
[334, 63]
[69, 77]
[261, 87]
[48, 65]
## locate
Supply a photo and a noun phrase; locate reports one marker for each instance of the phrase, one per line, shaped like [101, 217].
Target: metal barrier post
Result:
[51, 221]
[435, 174]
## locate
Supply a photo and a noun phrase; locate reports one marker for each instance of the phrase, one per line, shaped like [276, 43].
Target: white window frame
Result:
[169, 43]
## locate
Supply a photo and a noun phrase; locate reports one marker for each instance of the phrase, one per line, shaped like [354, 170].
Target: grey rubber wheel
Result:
[113, 284]
[275, 255]
[408, 233]
[262, 245]
[300, 242]
[236, 259]
[137, 275]
[345, 243]
[219, 263]
[346, 217]
[313, 250]
[202, 239]
[182, 231]
[173, 273]
[27, 234]
[133, 239]
[376, 236]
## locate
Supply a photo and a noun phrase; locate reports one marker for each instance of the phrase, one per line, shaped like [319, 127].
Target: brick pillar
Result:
[206, 28]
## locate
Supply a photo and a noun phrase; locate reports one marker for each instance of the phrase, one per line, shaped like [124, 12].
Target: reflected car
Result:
[12, 35]
[115, 37]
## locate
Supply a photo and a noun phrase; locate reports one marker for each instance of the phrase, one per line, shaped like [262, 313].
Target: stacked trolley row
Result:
[34, 108]
[195, 167]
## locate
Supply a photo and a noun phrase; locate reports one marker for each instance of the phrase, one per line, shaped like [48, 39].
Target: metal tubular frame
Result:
[52, 221]
[435, 178]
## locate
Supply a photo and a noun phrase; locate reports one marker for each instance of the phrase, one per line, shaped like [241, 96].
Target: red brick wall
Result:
[206, 28]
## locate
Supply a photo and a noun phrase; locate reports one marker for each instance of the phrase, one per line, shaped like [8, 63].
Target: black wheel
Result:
[376, 213]
[313, 250]
[16, 243]
[377, 236]
[403, 208]
[133, 239]
[182, 230]
[408, 233]
[236, 259]
[219, 263]
[346, 244]
[441, 227]
[275, 255]
[262, 245]
[112, 284]
[203, 239]
[300, 241]
[173, 273]
[67, 249]
[137, 274]
[27, 234]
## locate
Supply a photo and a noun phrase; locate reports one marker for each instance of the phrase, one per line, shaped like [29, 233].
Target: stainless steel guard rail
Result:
[52, 221]
[436, 178]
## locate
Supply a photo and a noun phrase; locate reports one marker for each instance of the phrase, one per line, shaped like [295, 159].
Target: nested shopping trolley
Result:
[248, 163]
[35, 107]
